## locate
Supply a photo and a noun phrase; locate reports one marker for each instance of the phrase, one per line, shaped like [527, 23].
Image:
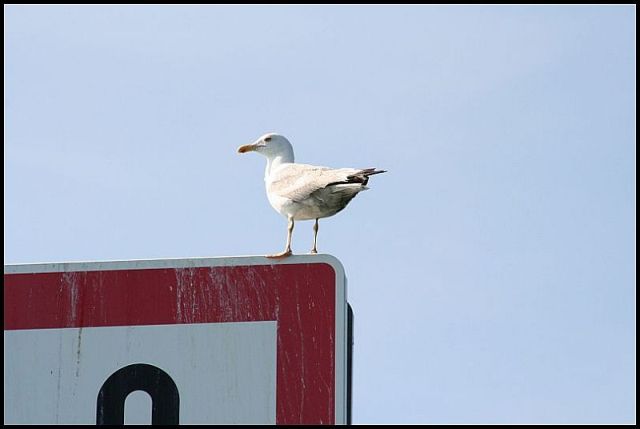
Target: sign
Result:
[208, 340]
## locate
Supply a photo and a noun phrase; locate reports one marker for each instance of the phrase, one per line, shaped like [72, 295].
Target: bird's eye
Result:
[268, 139]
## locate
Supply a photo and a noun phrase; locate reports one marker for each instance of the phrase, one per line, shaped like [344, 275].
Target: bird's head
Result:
[270, 145]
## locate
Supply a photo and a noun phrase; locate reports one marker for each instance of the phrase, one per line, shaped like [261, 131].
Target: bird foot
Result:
[313, 251]
[281, 255]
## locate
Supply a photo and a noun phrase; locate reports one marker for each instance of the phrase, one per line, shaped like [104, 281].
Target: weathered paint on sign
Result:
[261, 320]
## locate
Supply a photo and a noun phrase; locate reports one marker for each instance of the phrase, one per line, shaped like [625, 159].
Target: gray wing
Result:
[298, 182]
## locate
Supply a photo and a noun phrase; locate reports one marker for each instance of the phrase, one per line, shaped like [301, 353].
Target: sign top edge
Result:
[196, 262]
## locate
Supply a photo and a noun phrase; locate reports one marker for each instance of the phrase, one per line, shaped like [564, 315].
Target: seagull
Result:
[302, 191]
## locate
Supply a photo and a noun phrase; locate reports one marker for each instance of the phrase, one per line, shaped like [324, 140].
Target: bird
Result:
[303, 191]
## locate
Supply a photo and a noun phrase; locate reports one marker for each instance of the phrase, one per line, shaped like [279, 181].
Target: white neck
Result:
[275, 162]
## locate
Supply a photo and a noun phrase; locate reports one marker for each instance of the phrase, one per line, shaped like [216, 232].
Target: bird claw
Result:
[314, 252]
[280, 255]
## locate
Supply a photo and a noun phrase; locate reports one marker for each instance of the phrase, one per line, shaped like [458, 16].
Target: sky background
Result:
[491, 270]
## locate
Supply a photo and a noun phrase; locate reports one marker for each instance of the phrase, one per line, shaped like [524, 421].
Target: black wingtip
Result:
[361, 176]
[371, 171]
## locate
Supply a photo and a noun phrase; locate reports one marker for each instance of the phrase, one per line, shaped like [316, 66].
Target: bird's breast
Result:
[282, 205]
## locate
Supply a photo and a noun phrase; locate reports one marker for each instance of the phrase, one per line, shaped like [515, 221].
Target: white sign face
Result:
[225, 372]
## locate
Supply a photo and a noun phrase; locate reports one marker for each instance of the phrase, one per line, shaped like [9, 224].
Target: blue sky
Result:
[491, 270]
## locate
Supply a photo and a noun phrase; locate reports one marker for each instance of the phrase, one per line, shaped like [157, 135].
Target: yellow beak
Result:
[247, 148]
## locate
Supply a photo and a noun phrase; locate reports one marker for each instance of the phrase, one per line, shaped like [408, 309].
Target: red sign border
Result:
[192, 265]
